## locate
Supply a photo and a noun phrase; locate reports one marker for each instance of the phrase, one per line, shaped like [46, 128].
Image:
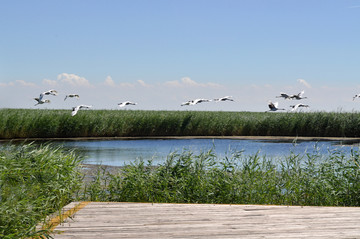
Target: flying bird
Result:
[190, 102]
[298, 96]
[295, 107]
[41, 101]
[49, 92]
[194, 102]
[226, 98]
[77, 108]
[123, 104]
[72, 96]
[284, 95]
[356, 96]
[197, 101]
[273, 106]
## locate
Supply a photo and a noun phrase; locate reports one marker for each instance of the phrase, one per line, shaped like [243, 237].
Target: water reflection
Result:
[121, 152]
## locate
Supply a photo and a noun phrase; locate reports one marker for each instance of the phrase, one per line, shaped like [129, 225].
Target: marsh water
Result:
[122, 152]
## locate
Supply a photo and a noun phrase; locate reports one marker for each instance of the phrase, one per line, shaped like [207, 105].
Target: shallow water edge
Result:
[287, 138]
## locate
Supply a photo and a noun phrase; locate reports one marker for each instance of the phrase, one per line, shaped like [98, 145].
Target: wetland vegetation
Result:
[36, 181]
[40, 123]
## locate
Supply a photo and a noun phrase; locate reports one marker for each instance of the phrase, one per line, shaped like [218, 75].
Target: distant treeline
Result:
[40, 123]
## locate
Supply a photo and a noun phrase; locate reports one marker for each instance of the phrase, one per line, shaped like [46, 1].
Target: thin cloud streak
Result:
[188, 82]
[303, 82]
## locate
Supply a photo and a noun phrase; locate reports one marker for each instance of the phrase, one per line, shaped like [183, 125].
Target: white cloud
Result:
[174, 83]
[50, 82]
[125, 84]
[188, 82]
[142, 83]
[24, 83]
[303, 82]
[7, 84]
[73, 80]
[109, 81]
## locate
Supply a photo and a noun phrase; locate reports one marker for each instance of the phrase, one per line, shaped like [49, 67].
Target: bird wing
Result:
[53, 92]
[41, 96]
[284, 95]
[271, 105]
[295, 107]
[226, 98]
[75, 110]
[85, 106]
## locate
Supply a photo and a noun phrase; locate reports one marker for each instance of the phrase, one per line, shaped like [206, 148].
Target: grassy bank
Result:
[36, 123]
[298, 179]
[34, 182]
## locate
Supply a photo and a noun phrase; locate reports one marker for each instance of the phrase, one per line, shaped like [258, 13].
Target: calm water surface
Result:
[121, 152]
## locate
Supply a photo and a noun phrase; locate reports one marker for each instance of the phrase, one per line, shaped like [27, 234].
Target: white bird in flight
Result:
[273, 106]
[123, 104]
[225, 98]
[49, 92]
[356, 96]
[295, 107]
[284, 95]
[298, 96]
[77, 108]
[194, 102]
[72, 96]
[190, 102]
[41, 101]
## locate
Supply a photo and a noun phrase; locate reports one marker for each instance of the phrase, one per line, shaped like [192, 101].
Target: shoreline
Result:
[302, 138]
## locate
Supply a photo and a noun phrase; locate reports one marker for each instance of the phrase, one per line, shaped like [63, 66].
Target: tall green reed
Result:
[297, 179]
[34, 182]
[30, 123]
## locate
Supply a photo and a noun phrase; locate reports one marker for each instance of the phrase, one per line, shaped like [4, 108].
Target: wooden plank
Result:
[146, 220]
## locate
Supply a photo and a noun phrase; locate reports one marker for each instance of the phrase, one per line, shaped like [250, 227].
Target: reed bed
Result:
[39, 123]
[35, 181]
[298, 179]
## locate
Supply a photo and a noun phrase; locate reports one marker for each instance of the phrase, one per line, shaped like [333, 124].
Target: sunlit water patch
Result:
[122, 152]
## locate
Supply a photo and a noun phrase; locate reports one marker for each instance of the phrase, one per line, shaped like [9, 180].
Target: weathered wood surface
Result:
[146, 220]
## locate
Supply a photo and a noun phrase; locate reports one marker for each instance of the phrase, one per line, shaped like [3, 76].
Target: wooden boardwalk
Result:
[146, 220]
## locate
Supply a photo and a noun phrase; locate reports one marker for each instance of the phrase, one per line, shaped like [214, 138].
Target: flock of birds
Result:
[41, 100]
[273, 106]
[299, 96]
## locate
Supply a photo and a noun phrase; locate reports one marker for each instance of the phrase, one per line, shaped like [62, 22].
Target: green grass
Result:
[38, 123]
[34, 182]
[297, 179]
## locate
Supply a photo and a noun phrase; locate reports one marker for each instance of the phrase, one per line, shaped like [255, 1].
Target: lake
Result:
[121, 152]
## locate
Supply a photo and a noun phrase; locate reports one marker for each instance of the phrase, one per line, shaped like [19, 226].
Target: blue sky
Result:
[162, 53]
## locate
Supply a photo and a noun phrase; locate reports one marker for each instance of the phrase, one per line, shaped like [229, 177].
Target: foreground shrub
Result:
[34, 182]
